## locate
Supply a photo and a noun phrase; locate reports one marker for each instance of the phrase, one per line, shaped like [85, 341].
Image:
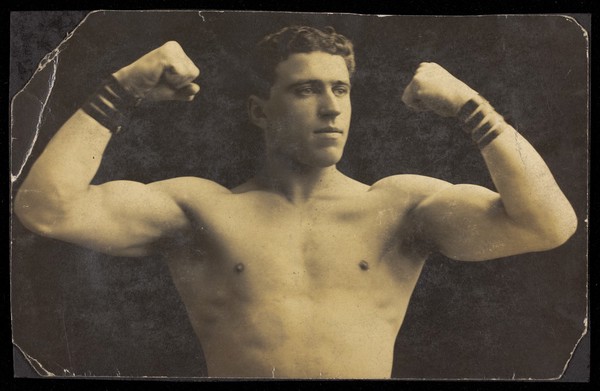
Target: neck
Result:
[295, 181]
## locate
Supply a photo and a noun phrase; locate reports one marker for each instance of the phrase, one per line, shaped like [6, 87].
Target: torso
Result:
[320, 289]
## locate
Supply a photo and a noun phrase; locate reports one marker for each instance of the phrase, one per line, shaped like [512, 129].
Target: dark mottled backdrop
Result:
[83, 313]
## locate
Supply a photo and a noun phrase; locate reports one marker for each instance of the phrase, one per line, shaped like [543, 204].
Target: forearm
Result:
[528, 191]
[527, 213]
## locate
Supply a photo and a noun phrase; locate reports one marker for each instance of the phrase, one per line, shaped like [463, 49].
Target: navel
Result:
[364, 265]
[239, 267]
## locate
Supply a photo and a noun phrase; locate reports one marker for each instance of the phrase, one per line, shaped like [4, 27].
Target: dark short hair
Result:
[277, 47]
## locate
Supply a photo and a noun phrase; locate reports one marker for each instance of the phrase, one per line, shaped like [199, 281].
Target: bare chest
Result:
[316, 250]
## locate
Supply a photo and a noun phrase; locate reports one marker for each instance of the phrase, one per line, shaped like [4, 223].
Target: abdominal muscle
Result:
[300, 341]
[254, 324]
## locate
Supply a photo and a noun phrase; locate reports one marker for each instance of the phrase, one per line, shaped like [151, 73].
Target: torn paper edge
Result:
[50, 58]
[53, 58]
[587, 285]
[33, 363]
[54, 61]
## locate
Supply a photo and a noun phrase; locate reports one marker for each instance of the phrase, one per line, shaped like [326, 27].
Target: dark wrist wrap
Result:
[481, 121]
[111, 105]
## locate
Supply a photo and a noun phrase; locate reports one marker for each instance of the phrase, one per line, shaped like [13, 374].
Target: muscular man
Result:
[301, 271]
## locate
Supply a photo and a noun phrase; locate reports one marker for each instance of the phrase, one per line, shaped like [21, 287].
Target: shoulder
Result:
[182, 188]
[415, 187]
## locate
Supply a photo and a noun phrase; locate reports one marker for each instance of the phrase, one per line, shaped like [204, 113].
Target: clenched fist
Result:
[433, 88]
[166, 73]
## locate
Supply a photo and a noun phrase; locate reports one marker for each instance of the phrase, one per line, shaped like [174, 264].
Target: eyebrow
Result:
[316, 82]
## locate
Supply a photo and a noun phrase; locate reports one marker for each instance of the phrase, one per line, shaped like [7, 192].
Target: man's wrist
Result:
[111, 105]
[470, 106]
[480, 120]
[123, 77]
[463, 95]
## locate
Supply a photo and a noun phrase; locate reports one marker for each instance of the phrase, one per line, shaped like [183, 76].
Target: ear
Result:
[256, 111]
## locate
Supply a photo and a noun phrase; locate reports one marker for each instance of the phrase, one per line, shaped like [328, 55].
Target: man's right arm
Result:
[57, 199]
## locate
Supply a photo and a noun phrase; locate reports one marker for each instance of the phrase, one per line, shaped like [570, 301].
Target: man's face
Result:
[307, 115]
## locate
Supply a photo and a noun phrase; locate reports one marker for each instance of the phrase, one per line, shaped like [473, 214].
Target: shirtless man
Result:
[301, 271]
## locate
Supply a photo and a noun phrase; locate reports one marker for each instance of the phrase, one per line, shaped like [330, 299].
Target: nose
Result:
[329, 106]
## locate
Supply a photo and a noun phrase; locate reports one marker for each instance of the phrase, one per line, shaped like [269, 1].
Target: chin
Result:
[324, 160]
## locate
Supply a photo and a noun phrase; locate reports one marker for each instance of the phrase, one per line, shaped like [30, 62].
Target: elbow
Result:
[29, 220]
[41, 221]
[22, 210]
[37, 227]
[558, 229]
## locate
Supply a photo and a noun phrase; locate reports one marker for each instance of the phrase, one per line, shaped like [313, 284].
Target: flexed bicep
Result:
[120, 218]
[470, 223]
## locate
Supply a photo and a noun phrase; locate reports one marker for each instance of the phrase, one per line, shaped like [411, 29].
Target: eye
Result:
[341, 90]
[306, 90]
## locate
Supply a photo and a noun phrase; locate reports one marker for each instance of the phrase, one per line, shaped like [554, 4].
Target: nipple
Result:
[364, 265]
[239, 267]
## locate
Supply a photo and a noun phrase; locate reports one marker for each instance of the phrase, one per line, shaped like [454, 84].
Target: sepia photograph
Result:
[255, 195]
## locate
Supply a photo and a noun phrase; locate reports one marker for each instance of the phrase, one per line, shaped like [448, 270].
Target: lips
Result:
[329, 130]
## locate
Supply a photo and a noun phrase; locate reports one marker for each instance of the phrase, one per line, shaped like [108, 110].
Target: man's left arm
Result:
[466, 222]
